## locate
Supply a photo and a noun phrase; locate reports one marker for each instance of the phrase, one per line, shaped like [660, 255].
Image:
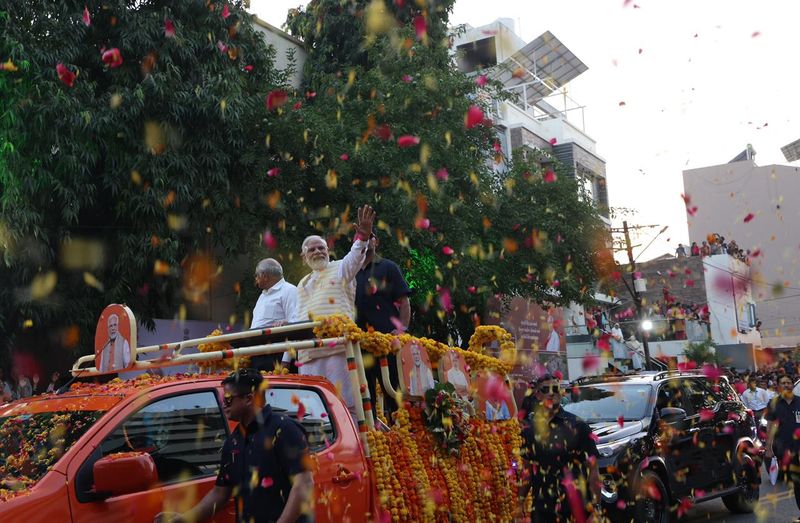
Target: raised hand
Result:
[366, 217]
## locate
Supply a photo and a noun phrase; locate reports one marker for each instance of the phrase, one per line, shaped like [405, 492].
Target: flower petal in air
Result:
[749, 217]
[169, 28]
[275, 171]
[225, 12]
[87, 20]
[481, 80]
[549, 176]
[473, 117]
[112, 58]
[66, 76]
[407, 140]
[276, 98]
[447, 250]
[421, 27]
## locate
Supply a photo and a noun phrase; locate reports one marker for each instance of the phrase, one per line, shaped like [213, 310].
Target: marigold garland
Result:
[381, 344]
[217, 365]
[418, 481]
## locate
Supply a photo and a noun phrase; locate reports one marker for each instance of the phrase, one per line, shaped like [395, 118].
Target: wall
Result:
[724, 196]
[283, 43]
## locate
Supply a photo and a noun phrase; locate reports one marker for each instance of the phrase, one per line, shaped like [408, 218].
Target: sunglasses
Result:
[228, 398]
[550, 389]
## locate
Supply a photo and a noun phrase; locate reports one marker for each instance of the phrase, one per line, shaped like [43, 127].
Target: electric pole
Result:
[637, 298]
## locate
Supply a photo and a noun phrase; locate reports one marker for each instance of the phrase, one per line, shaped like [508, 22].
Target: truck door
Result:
[183, 431]
[341, 483]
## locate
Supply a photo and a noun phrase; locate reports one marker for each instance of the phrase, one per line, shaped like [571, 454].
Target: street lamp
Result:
[647, 325]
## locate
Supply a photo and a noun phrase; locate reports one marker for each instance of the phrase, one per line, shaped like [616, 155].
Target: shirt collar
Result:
[275, 287]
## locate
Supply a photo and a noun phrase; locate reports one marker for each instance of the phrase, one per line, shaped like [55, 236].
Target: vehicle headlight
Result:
[609, 449]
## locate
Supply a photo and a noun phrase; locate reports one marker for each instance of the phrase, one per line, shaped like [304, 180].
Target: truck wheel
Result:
[652, 500]
[744, 501]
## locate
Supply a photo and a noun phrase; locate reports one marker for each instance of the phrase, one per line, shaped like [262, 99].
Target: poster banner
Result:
[115, 339]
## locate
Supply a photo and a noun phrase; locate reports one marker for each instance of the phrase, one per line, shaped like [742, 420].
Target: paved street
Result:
[777, 505]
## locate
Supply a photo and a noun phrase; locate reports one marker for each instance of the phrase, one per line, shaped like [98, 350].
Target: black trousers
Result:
[373, 373]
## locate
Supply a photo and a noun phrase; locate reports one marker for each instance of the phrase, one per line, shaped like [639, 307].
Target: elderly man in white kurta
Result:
[330, 288]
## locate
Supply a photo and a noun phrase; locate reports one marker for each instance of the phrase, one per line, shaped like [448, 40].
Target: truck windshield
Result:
[607, 402]
[30, 444]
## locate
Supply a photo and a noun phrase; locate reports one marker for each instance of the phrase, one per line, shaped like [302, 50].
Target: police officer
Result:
[561, 457]
[783, 415]
[263, 461]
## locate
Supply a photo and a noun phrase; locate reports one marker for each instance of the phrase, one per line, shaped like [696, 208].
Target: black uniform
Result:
[259, 463]
[787, 416]
[378, 286]
[557, 454]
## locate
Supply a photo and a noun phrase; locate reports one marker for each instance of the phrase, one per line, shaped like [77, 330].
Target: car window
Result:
[700, 396]
[183, 434]
[307, 407]
[671, 394]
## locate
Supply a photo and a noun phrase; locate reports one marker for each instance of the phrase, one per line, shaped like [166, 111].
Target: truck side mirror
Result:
[124, 473]
[672, 414]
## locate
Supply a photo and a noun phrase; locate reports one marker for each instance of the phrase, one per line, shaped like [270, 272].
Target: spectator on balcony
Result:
[695, 249]
[680, 252]
[705, 249]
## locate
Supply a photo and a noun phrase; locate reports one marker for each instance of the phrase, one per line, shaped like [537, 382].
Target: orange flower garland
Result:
[217, 365]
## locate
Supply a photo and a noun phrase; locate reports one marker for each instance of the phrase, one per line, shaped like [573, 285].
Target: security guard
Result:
[263, 462]
[561, 456]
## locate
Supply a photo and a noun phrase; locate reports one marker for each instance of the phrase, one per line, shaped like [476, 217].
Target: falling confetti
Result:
[87, 21]
[112, 57]
[66, 76]
[407, 140]
[169, 28]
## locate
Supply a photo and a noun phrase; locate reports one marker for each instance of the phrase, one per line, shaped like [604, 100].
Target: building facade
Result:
[757, 207]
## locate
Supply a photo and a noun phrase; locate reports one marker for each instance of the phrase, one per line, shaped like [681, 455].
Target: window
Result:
[700, 396]
[183, 434]
[671, 395]
[307, 407]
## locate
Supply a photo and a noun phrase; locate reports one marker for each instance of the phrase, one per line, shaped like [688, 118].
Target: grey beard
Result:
[318, 264]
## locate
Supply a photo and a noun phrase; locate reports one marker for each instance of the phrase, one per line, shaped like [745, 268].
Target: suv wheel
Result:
[652, 505]
[744, 501]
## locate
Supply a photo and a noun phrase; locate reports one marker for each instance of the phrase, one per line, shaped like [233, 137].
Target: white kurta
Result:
[325, 292]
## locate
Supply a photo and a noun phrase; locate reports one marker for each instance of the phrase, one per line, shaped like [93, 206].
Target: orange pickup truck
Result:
[126, 450]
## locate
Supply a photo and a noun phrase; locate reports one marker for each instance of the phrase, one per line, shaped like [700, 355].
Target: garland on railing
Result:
[217, 365]
[381, 344]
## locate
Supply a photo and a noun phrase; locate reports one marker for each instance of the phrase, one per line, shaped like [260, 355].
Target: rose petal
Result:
[275, 171]
[473, 117]
[407, 140]
[169, 28]
[447, 250]
[87, 20]
[442, 174]
[112, 58]
[276, 98]
[549, 176]
[481, 80]
[66, 76]
[225, 12]
[420, 27]
[749, 217]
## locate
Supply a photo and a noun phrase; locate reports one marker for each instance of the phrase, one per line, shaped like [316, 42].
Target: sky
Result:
[700, 79]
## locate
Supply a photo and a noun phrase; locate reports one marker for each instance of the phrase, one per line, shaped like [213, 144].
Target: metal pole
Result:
[636, 298]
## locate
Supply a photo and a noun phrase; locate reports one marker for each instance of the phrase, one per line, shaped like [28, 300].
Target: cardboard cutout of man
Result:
[116, 353]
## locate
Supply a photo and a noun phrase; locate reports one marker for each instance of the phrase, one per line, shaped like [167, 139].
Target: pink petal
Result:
[442, 174]
[444, 299]
[248, 68]
[420, 26]
[407, 79]
[87, 21]
[497, 147]
[112, 58]
[481, 80]
[749, 217]
[472, 289]
[344, 157]
[222, 47]
[169, 28]
[473, 117]
[422, 223]
[550, 176]
[276, 98]
[66, 76]
[553, 141]
[269, 240]
[226, 12]
[275, 171]
[407, 140]
[297, 105]
[447, 250]
[590, 362]
[267, 482]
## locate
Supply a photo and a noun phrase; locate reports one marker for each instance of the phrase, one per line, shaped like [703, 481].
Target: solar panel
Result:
[791, 151]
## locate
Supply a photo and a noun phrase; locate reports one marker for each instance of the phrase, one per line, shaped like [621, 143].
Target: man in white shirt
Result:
[330, 288]
[755, 398]
[276, 305]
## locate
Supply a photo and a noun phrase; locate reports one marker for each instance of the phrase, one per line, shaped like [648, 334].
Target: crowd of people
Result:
[715, 244]
[14, 386]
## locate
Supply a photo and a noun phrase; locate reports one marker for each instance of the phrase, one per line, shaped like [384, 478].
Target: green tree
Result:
[702, 352]
[122, 183]
[461, 227]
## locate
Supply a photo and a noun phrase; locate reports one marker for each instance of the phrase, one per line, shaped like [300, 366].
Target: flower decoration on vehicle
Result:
[418, 480]
[381, 344]
[224, 364]
[447, 417]
[31, 444]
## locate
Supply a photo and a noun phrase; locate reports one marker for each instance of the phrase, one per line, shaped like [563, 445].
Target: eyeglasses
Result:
[550, 389]
[228, 398]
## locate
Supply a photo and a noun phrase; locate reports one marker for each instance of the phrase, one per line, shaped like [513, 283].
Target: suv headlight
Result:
[609, 449]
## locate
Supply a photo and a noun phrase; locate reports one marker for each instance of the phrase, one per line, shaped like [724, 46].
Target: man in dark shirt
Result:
[263, 461]
[381, 304]
[561, 457]
[783, 415]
